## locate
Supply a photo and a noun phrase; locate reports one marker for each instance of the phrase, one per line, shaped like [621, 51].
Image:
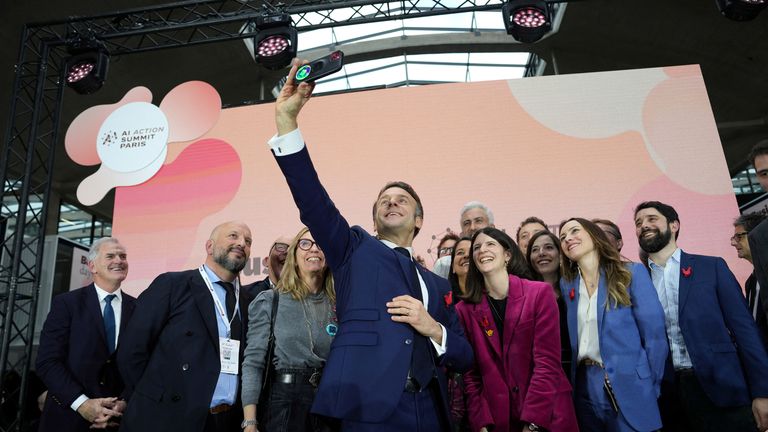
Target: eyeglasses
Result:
[306, 244]
[738, 236]
[280, 247]
[444, 251]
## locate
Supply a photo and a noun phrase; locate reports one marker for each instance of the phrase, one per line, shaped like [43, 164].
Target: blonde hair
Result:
[290, 278]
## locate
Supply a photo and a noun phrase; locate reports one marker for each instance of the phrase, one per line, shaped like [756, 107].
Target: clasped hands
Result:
[101, 412]
[406, 309]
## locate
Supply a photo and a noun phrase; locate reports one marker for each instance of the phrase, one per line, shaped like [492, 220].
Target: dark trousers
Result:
[289, 406]
[593, 407]
[685, 407]
[228, 421]
[416, 412]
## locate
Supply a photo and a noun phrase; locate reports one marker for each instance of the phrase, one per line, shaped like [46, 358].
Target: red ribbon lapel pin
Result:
[687, 272]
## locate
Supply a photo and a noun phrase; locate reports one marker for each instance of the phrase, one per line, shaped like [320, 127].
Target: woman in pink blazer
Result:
[517, 383]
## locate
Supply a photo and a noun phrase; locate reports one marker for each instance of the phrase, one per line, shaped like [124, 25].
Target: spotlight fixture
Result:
[527, 20]
[275, 44]
[741, 10]
[86, 68]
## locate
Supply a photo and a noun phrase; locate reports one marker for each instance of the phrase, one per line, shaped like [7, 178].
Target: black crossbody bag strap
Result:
[266, 379]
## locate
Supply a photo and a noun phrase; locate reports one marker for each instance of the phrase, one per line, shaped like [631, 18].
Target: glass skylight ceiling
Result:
[417, 69]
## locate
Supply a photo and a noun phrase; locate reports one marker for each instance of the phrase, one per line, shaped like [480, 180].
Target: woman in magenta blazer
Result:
[512, 323]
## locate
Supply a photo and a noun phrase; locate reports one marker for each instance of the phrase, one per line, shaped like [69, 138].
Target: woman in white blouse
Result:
[616, 330]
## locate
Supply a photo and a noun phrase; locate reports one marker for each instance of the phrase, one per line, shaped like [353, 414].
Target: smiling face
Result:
[229, 247]
[653, 231]
[545, 257]
[575, 242]
[461, 258]
[110, 267]
[309, 257]
[473, 220]
[396, 212]
[489, 255]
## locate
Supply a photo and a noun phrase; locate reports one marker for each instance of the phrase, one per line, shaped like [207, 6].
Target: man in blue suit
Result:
[718, 365]
[183, 350]
[397, 327]
[76, 359]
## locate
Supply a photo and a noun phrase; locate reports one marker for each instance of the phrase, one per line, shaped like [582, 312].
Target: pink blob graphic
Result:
[192, 109]
[200, 182]
[682, 71]
[82, 134]
[680, 128]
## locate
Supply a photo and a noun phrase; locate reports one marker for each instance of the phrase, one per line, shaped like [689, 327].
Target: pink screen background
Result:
[590, 145]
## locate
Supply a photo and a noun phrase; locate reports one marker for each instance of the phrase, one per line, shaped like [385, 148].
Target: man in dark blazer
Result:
[758, 237]
[742, 226]
[716, 376]
[180, 358]
[273, 262]
[385, 368]
[76, 359]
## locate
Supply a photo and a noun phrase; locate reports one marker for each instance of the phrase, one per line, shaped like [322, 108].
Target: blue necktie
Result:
[422, 359]
[109, 322]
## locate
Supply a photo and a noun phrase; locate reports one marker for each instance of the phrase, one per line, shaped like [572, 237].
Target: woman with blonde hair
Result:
[617, 332]
[303, 328]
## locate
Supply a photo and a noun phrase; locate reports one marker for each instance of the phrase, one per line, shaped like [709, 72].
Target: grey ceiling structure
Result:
[595, 35]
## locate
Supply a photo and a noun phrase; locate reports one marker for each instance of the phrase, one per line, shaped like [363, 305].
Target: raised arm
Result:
[291, 100]
[316, 209]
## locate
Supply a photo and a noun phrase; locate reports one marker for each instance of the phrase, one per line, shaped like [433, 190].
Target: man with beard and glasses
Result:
[182, 352]
[743, 227]
[273, 262]
[717, 365]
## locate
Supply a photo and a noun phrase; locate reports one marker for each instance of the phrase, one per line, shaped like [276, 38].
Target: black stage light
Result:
[527, 20]
[741, 10]
[275, 44]
[86, 68]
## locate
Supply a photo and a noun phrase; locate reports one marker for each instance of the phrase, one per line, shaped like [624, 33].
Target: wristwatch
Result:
[533, 427]
[247, 423]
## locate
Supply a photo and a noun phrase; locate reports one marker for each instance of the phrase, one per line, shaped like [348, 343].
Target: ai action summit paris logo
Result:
[130, 138]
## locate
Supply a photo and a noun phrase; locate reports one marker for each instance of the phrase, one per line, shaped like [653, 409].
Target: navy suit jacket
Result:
[170, 354]
[762, 323]
[73, 357]
[367, 367]
[758, 246]
[721, 337]
[633, 345]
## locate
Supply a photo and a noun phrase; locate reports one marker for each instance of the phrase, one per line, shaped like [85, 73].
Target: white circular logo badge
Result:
[132, 137]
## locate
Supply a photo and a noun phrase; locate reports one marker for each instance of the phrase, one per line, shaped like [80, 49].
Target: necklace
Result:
[495, 312]
[316, 315]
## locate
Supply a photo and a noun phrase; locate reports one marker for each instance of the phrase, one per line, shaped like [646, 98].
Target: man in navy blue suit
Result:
[398, 329]
[718, 365]
[182, 354]
[76, 359]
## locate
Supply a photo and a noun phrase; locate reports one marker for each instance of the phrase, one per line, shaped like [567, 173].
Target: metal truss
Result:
[32, 133]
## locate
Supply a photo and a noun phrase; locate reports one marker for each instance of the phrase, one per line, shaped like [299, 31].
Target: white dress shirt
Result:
[589, 338]
[666, 280]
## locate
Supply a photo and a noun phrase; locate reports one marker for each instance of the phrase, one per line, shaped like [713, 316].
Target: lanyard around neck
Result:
[219, 307]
